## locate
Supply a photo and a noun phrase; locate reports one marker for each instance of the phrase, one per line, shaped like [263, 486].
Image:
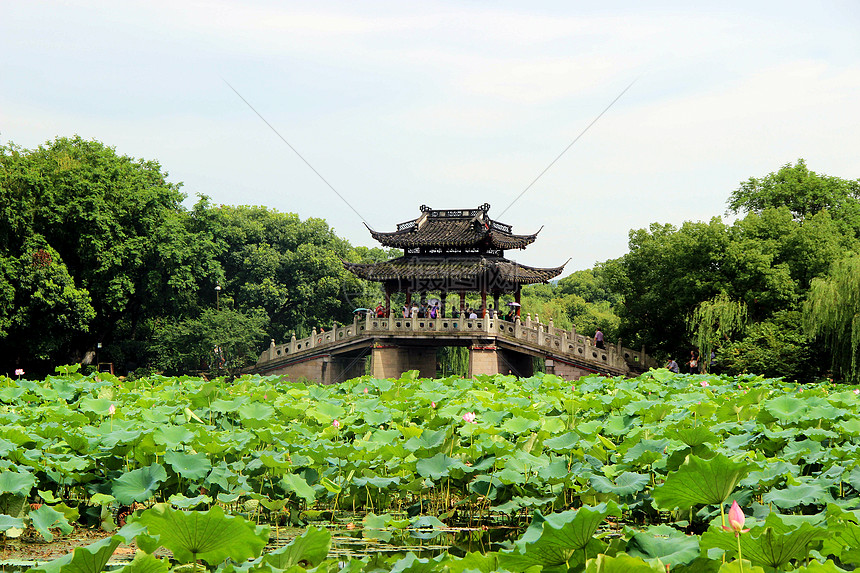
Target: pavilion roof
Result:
[458, 228]
[452, 271]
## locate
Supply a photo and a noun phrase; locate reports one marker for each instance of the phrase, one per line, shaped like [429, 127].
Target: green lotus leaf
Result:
[694, 436]
[11, 504]
[97, 406]
[89, 559]
[146, 563]
[189, 466]
[795, 495]
[625, 484]
[377, 482]
[292, 483]
[519, 425]
[426, 527]
[700, 481]
[207, 535]
[44, 518]
[622, 563]
[551, 540]
[172, 437]
[786, 408]
[773, 544]
[438, 466]
[17, 483]
[376, 527]
[564, 443]
[138, 485]
[8, 522]
[428, 441]
[182, 502]
[307, 550]
[665, 543]
[815, 567]
[256, 411]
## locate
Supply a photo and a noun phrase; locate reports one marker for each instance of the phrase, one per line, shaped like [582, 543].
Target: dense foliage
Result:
[609, 475]
[100, 261]
[97, 249]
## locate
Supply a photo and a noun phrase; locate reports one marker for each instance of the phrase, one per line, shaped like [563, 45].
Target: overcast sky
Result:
[449, 104]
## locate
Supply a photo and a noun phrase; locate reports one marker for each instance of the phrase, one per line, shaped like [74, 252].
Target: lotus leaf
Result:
[665, 543]
[438, 466]
[773, 544]
[625, 484]
[794, 495]
[44, 518]
[207, 535]
[189, 466]
[623, 564]
[8, 522]
[146, 563]
[551, 540]
[701, 481]
[292, 483]
[17, 483]
[138, 485]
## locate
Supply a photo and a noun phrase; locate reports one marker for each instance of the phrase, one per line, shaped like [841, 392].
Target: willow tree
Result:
[715, 319]
[832, 313]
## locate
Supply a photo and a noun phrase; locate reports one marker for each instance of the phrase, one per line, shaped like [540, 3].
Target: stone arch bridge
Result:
[397, 345]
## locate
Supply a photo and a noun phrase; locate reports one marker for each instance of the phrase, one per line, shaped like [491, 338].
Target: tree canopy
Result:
[97, 248]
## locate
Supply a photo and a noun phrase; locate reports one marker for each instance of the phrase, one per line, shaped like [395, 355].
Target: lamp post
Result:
[218, 297]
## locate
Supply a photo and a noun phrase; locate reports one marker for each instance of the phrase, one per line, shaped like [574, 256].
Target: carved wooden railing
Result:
[557, 341]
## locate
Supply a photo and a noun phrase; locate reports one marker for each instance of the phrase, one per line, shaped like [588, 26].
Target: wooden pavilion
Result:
[453, 251]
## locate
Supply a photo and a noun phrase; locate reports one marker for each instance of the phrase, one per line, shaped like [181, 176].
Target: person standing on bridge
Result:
[598, 339]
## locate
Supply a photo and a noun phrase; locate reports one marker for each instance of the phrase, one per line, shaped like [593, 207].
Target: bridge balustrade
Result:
[530, 332]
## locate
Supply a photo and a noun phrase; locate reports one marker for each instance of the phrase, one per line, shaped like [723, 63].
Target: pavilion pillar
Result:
[462, 303]
[443, 295]
[496, 303]
[517, 299]
[387, 300]
[483, 302]
[409, 300]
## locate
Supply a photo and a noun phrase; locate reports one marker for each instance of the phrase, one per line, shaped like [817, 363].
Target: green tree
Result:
[803, 192]
[116, 225]
[221, 342]
[831, 313]
[716, 319]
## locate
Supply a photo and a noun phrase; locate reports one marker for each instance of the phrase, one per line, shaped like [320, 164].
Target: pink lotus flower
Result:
[857, 391]
[112, 410]
[19, 372]
[736, 520]
[365, 390]
[432, 404]
[470, 418]
[704, 383]
[573, 388]
[336, 424]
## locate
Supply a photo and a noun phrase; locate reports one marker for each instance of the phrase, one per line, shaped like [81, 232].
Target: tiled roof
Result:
[431, 230]
[453, 270]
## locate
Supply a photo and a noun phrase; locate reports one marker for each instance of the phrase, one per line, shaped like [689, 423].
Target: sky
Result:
[391, 105]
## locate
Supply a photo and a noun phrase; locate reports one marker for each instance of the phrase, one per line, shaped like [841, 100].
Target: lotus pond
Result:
[484, 474]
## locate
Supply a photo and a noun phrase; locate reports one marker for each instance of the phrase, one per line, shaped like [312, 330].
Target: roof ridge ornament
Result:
[425, 209]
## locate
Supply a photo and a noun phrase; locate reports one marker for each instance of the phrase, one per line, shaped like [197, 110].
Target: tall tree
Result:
[114, 222]
[832, 313]
[804, 192]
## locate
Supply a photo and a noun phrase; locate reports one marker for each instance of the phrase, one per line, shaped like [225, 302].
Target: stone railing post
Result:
[518, 328]
[564, 342]
[540, 335]
[528, 320]
[272, 350]
[292, 343]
